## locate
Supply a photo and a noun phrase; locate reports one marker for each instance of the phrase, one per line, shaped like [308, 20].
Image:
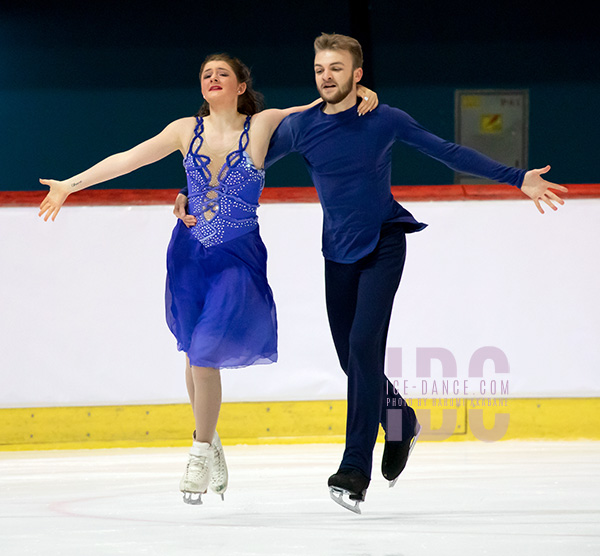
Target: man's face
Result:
[334, 75]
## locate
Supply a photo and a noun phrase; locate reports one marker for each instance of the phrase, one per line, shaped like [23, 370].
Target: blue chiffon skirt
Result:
[218, 302]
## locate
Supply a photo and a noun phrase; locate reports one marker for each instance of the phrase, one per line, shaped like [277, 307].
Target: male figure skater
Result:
[364, 245]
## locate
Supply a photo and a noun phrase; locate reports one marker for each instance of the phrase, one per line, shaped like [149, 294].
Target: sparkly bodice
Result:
[222, 194]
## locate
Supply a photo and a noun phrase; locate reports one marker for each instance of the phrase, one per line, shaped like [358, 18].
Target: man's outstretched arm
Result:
[467, 160]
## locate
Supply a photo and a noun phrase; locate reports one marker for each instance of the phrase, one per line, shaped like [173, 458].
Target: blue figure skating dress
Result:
[219, 304]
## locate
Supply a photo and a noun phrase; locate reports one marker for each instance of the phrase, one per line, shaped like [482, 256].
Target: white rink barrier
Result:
[493, 294]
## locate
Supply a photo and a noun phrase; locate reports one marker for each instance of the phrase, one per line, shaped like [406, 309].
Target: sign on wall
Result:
[495, 123]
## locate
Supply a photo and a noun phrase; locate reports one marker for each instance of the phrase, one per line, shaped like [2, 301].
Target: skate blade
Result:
[220, 492]
[337, 495]
[412, 445]
[192, 498]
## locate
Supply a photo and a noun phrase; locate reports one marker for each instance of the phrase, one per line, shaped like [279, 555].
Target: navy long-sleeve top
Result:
[349, 160]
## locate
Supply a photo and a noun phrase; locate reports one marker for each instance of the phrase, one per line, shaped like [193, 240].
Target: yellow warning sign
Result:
[471, 101]
[491, 123]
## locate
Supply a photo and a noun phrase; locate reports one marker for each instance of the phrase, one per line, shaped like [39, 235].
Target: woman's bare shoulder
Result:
[184, 123]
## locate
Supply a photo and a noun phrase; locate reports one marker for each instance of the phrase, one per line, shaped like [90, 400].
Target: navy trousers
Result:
[359, 300]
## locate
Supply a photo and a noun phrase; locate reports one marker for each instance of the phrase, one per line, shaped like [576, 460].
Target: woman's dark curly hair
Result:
[251, 101]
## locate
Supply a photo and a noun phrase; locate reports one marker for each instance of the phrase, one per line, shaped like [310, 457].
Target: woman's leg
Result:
[206, 454]
[189, 381]
[204, 388]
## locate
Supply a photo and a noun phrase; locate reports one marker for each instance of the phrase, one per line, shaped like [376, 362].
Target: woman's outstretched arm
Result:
[167, 141]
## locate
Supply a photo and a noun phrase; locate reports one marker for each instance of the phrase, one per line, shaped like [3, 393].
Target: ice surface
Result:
[453, 498]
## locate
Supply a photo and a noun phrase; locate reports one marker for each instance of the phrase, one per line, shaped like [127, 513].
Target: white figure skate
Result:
[194, 482]
[219, 476]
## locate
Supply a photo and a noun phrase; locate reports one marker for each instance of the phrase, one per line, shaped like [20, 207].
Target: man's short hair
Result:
[340, 42]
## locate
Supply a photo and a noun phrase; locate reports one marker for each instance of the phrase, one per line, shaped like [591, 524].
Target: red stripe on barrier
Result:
[107, 197]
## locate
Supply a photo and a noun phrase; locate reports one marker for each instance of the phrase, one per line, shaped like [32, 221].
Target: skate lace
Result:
[197, 466]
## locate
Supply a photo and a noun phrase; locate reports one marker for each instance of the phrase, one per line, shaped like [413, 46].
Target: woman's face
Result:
[219, 81]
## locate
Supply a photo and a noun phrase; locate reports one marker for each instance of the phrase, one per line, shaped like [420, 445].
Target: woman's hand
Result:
[50, 206]
[369, 100]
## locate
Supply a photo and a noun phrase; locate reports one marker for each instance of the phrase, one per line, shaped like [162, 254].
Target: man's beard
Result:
[341, 94]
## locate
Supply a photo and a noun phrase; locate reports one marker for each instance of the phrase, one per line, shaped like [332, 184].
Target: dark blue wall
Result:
[78, 83]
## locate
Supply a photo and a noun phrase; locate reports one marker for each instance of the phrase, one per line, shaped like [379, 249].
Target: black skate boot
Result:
[395, 455]
[349, 482]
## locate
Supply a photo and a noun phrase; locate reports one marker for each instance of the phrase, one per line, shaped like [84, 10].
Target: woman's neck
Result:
[223, 118]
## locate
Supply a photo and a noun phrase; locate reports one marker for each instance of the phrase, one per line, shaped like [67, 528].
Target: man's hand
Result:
[538, 189]
[180, 211]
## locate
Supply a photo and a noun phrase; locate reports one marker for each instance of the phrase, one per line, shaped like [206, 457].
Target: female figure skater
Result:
[219, 305]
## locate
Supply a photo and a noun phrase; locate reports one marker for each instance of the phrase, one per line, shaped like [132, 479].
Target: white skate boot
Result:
[219, 476]
[197, 473]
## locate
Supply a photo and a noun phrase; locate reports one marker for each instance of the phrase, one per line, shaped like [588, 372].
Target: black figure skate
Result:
[395, 455]
[350, 483]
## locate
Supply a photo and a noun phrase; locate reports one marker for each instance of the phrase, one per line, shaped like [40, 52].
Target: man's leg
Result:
[380, 276]
[341, 289]
[359, 300]
[341, 283]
